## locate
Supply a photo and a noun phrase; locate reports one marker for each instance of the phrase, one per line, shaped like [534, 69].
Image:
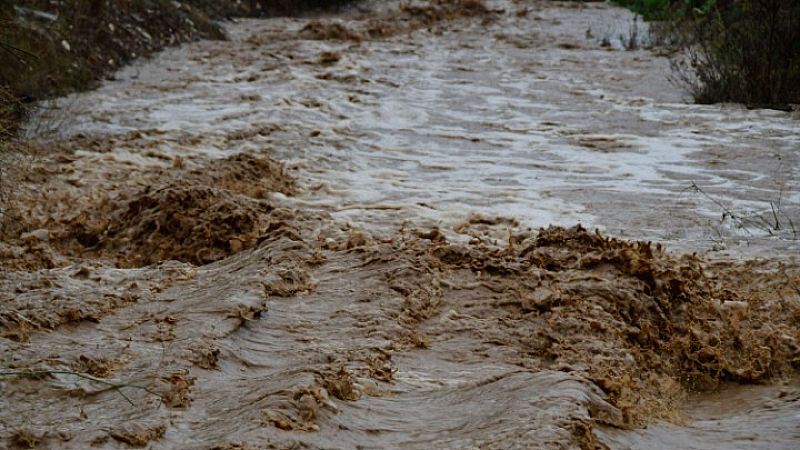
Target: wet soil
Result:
[194, 266]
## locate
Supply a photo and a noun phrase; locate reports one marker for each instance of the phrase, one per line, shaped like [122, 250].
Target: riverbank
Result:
[54, 48]
[49, 49]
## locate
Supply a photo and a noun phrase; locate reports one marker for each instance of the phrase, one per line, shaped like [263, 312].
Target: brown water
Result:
[351, 204]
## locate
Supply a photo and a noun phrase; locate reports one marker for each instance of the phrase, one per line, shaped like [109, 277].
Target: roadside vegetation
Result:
[50, 48]
[745, 51]
[53, 47]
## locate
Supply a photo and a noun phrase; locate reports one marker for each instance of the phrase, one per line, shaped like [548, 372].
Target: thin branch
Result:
[775, 215]
[725, 211]
[11, 49]
[116, 386]
[791, 223]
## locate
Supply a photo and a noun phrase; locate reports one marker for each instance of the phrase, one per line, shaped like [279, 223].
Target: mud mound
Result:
[205, 215]
[192, 215]
[53, 225]
[670, 321]
[319, 30]
[644, 326]
[441, 10]
[192, 224]
[410, 17]
[246, 174]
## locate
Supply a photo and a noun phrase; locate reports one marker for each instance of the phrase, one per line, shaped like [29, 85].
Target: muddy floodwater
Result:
[420, 225]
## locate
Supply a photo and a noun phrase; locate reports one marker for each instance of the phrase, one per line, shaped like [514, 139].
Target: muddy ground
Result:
[173, 285]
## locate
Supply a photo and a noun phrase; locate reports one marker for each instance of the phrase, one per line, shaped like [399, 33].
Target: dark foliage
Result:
[273, 8]
[747, 51]
[50, 48]
[53, 47]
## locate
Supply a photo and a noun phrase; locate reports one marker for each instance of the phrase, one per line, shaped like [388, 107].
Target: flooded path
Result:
[350, 205]
[511, 115]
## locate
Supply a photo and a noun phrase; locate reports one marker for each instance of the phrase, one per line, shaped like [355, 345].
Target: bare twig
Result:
[791, 223]
[725, 211]
[775, 214]
[11, 49]
[113, 385]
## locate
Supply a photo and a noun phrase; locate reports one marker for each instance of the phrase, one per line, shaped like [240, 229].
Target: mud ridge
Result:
[192, 215]
[645, 326]
[410, 17]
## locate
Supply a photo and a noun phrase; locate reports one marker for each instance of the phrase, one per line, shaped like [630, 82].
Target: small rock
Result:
[41, 234]
[309, 407]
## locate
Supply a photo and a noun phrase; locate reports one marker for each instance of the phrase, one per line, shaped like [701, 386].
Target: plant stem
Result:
[116, 386]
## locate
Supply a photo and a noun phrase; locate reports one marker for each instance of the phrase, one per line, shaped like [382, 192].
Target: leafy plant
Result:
[773, 222]
[746, 51]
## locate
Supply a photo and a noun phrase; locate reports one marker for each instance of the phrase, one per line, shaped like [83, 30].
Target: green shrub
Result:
[746, 51]
[649, 9]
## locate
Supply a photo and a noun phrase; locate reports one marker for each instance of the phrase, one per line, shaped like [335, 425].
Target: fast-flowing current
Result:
[523, 115]
[534, 112]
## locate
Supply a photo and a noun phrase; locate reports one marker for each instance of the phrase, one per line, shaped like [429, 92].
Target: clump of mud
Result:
[410, 17]
[197, 216]
[319, 30]
[644, 326]
[192, 224]
[441, 10]
[669, 321]
[201, 217]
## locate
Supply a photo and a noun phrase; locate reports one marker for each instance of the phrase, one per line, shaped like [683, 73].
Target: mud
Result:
[268, 250]
[193, 215]
[407, 18]
[643, 326]
[309, 335]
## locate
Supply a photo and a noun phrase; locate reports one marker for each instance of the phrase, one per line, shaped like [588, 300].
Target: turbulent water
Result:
[397, 295]
[520, 116]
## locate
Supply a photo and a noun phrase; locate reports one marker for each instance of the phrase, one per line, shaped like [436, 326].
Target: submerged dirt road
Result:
[324, 234]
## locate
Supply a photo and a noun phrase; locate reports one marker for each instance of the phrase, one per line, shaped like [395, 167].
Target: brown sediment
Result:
[408, 18]
[192, 215]
[138, 436]
[226, 316]
[35, 302]
[645, 326]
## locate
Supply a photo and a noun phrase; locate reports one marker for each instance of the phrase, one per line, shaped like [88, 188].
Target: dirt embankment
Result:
[50, 48]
